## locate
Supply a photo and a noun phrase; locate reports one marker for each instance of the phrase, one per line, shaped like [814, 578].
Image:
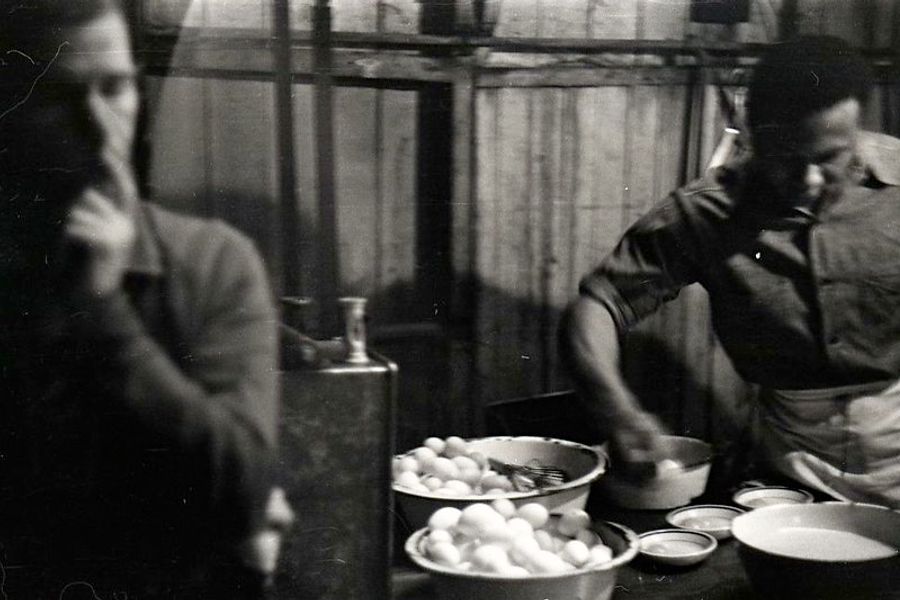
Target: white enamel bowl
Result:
[670, 489]
[582, 463]
[591, 583]
[714, 519]
[677, 547]
[827, 551]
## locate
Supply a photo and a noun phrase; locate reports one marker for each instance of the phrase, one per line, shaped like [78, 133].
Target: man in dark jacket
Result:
[137, 347]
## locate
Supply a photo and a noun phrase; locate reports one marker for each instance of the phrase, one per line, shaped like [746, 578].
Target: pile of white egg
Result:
[516, 541]
[447, 467]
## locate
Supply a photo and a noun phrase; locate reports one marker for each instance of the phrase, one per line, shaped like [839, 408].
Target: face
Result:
[83, 107]
[814, 160]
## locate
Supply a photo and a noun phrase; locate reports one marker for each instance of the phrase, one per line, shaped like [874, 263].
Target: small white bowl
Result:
[757, 497]
[714, 519]
[678, 547]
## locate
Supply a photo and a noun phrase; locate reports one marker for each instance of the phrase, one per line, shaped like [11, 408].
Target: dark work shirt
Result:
[142, 426]
[799, 299]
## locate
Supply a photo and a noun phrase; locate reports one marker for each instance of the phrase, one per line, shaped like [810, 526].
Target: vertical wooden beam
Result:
[329, 262]
[464, 216]
[284, 116]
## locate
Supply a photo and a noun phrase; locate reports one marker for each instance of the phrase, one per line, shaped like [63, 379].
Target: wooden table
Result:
[720, 577]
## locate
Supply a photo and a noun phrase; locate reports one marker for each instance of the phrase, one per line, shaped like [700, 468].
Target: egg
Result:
[436, 444]
[523, 548]
[465, 463]
[433, 483]
[490, 558]
[471, 476]
[534, 513]
[500, 534]
[463, 488]
[600, 554]
[477, 518]
[439, 535]
[505, 507]
[444, 468]
[668, 468]
[445, 517]
[575, 552]
[547, 562]
[495, 481]
[444, 553]
[455, 446]
[520, 526]
[409, 463]
[408, 479]
[588, 537]
[425, 456]
[573, 521]
[480, 459]
[545, 540]
[515, 571]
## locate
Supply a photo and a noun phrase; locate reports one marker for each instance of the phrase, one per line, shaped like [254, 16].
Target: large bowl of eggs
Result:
[499, 551]
[826, 551]
[523, 469]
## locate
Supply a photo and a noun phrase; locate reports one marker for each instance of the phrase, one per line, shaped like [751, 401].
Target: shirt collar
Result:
[880, 153]
[146, 256]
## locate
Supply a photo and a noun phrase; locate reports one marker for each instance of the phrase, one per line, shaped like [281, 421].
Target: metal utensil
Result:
[533, 475]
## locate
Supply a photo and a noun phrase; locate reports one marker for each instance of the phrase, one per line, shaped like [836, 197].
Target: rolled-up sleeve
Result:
[648, 267]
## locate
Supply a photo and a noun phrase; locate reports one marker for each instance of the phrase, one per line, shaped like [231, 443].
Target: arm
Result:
[215, 412]
[590, 346]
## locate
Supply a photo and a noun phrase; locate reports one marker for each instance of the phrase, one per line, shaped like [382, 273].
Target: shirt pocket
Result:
[879, 307]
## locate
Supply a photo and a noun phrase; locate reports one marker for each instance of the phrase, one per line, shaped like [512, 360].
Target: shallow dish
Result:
[679, 547]
[592, 583]
[832, 551]
[714, 519]
[582, 463]
[772, 495]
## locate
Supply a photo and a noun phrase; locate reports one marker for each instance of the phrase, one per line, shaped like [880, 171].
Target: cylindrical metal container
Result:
[336, 446]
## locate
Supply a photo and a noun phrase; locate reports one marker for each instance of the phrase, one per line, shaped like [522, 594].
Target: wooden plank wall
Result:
[557, 172]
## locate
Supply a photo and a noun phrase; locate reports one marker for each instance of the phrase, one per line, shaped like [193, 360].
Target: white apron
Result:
[842, 441]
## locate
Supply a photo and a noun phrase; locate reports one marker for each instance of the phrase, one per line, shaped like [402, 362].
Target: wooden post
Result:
[284, 115]
[329, 265]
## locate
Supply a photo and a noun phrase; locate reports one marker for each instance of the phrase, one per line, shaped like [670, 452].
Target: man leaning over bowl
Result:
[798, 246]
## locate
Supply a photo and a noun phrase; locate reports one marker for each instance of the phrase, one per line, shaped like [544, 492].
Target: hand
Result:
[105, 234]
[637, 445]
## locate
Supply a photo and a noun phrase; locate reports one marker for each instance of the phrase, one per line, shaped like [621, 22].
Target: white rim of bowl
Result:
[807, 497]
[418, 556]
[670, 516]
[598, 470]
[712, 543]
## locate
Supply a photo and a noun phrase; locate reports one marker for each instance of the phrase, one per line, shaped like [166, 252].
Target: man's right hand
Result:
[637, 444]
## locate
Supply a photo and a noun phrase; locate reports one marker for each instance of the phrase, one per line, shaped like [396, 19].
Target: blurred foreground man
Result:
[798, 245]
[137, 347]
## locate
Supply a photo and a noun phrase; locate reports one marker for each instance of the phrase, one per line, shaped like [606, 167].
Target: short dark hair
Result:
[797, 78]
